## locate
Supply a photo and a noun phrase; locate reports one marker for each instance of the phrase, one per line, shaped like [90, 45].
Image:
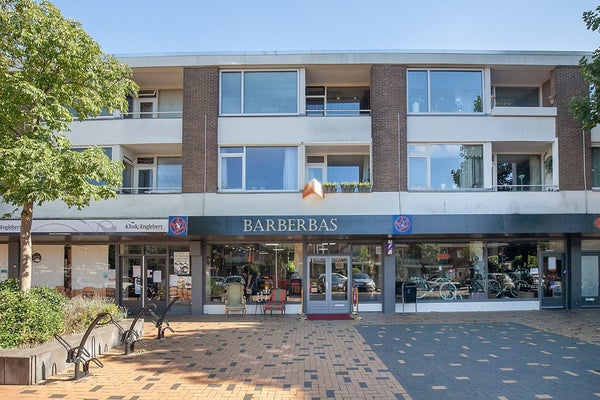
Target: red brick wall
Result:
[388, 127]
[568, 82]
[199, 136]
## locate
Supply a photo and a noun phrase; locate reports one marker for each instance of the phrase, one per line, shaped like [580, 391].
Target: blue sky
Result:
[198, 26]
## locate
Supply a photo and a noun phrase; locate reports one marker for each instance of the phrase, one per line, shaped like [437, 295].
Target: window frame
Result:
[427, 156]
[409, 102]
[242, 72]
[244, 173]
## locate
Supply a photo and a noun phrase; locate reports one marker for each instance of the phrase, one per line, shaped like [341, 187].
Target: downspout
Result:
[205, 164]
[584, 171]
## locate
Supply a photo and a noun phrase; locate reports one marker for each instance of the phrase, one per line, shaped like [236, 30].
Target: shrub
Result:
[29, 318]
[81, 311]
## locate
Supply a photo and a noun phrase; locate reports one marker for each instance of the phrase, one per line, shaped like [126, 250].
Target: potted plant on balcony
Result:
[348, 187]
[329, 187]
[364, 187]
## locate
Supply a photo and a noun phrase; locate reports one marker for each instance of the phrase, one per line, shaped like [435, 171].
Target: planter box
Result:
[30, 366]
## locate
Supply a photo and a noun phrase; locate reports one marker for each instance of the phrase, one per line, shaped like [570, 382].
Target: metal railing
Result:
[149, 190]
[337, 113]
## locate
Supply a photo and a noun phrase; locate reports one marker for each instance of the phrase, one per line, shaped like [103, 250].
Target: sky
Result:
[128, 27]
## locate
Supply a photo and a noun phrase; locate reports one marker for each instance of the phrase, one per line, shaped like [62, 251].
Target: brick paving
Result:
[549, 354]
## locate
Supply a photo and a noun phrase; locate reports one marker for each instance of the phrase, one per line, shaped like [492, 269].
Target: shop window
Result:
[367, 274]
[468, 271]
[260, 267]
[445, 166]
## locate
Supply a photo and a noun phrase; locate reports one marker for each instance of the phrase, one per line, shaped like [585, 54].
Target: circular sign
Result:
[178, 226]
[402, 224]
[36, 257]
[597, 223]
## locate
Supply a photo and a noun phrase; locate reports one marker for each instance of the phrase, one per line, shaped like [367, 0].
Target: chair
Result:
[235, 299]
[277, 301]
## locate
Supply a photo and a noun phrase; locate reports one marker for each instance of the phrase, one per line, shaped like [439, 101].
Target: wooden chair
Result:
[235, 299]
[277, 301]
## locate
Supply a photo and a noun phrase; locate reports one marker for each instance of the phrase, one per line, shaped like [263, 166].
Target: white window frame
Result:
[429, 70]
[299, 91]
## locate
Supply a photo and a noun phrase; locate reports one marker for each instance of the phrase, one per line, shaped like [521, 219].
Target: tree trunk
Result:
[26, 263]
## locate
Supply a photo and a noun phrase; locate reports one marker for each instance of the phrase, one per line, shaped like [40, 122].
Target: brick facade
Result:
[567, 82]
[199, 136]
[388, 127]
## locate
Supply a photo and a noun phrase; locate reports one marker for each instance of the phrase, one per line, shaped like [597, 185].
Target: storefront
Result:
[319, 260]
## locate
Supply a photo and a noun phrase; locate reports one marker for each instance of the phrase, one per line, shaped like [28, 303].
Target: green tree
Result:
[586, 109]
[50, 70]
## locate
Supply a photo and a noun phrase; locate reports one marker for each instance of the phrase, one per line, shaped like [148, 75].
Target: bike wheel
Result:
[448, 291]
[422, 289]
[494, 286]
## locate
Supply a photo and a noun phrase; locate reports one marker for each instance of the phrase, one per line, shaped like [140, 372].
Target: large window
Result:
[439, 91]
[259, 92]
[519, 172]
[596, 167]
[475, 270]
[260, 267]
[259, 168]
[445, 166]
[338, 168]
[516, 96]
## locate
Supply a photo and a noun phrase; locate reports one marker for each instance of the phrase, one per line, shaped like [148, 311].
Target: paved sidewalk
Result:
[401, 356]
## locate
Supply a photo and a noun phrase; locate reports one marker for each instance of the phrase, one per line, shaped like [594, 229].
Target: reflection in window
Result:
[444, 91]
[596, 167]
[338, 167]
[260, 267]
[445, 166]
[519, 172]
[168, 174]
[259, 92]
[475, 270]
[259, 168]
[337, 101]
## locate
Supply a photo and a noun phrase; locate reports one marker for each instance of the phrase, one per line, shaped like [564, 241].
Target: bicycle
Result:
[443, 286]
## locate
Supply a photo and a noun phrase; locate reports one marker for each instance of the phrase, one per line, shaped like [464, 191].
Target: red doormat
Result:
[328, 317]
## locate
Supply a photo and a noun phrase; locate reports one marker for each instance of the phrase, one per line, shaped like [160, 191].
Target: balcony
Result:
[294, 129]
[156, 128]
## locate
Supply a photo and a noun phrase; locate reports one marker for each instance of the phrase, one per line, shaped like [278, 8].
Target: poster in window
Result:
[181, 260]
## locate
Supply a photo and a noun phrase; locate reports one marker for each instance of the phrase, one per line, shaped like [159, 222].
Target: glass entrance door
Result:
[553, 284]
[143, 281]
[328, 285]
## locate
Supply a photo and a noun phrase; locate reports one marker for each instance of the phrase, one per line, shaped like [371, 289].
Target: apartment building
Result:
[458, 178]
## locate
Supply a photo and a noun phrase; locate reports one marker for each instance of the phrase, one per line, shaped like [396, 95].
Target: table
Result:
[260, 300]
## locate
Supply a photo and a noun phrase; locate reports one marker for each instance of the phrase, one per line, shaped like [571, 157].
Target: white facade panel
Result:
[461, 129]
[293, 130]
[559, 202]
[125, 131]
